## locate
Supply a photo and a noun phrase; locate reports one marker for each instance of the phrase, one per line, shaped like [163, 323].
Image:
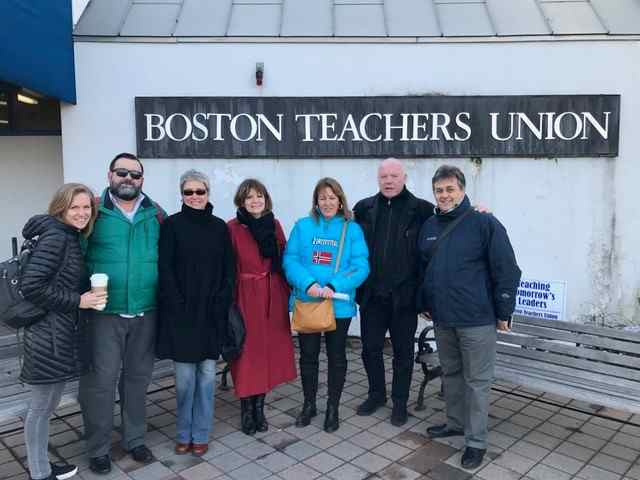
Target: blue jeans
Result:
[195, 390]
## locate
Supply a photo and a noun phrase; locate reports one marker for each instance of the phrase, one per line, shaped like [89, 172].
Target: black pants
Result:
[335, 343]
[378, 317]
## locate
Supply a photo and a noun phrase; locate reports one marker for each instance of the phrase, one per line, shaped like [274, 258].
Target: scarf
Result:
[263, 231]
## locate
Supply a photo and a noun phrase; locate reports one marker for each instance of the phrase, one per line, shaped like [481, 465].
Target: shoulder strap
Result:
[341, 246]
[446, 232]
[159, 212]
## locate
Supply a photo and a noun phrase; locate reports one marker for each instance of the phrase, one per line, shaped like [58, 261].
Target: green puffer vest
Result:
[128, 253]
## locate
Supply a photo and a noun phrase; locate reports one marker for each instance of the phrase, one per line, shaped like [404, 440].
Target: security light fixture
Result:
[259, 73]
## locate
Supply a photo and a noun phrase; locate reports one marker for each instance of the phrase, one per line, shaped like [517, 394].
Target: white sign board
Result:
[541, 299]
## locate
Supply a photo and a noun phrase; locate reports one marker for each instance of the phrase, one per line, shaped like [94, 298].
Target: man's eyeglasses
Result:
[123, 172]
[199, 192]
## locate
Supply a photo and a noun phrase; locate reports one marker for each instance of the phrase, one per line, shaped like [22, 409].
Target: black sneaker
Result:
[62, 471]
[369, 406]
[141, 454]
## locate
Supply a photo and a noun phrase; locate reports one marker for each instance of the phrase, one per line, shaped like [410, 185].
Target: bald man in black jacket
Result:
[391, 220]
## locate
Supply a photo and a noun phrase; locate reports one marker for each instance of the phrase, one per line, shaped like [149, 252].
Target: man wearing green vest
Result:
[124, 245]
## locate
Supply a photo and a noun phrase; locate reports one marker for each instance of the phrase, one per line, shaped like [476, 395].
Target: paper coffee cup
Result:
[99, 283]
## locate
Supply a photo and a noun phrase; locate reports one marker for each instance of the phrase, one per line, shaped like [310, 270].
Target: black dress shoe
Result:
[141, 454]
[369, 406]
[472, 457]
[100, 465]
[308, 412]
[399, 415]
[442, 431]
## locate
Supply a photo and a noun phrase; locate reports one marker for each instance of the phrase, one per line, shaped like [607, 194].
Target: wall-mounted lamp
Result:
[259, 73]
[22, 98]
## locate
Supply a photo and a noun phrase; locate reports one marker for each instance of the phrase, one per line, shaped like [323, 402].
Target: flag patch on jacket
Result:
[322, 258]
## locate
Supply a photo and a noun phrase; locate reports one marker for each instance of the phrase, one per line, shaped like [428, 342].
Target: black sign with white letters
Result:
[416, 126]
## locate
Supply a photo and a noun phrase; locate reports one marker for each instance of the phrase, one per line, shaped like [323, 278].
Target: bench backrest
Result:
[14, 395]
[585, 356]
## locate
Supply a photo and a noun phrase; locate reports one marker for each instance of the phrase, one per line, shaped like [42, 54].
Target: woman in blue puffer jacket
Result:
[309, 263]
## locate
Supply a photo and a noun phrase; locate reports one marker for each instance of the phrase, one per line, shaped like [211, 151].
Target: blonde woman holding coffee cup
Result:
[54, 280]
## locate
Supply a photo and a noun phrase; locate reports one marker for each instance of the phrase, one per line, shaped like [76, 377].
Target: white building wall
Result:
[570, 219]
[30, 173]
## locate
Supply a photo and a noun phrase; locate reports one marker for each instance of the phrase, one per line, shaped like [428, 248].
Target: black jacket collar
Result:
[197, 215]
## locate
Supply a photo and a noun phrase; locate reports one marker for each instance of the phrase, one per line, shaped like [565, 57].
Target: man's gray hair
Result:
[194, 176]
[449, 171]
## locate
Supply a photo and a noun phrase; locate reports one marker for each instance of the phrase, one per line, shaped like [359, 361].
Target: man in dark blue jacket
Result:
[469, 288]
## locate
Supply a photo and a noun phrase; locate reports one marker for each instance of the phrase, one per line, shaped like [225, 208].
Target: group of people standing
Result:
[173, 279]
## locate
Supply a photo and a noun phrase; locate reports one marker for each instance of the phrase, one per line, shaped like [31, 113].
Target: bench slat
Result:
[587, 380]
[15, 395]
[566, 360]
[545, 384]
[583, 339]
[578, 351]
[579, 327]
[8, 340]
[8, 352]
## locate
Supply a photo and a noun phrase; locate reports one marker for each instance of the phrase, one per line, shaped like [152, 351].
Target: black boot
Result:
[247, 415]
[308, 412]
[258, 411]
[309, 378]
[335, 382]
[331, 420]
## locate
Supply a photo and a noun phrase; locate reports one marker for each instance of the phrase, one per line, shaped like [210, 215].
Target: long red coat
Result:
[267, 356]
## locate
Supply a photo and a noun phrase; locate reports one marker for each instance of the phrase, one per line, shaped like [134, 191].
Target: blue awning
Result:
[36, 47]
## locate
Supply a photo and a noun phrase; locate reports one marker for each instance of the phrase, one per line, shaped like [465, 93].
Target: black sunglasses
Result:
[199, 192]
[123, 172]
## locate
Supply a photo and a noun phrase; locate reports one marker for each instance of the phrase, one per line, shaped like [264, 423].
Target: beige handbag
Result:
[316, 317]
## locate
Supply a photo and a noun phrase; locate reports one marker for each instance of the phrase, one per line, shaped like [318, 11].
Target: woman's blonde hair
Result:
[336, 188]
[63, 198]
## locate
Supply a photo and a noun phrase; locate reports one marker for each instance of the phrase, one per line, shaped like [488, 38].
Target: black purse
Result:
[15, 311]
[235, 335]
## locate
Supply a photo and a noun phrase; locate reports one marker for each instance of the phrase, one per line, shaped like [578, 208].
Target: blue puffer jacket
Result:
[473, 276]
[311, 254]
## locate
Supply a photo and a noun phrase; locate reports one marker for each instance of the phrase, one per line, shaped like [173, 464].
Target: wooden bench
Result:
[14, 395]
[597, 365]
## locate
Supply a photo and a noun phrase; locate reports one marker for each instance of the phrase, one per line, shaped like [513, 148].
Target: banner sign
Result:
[339, 127]
[541, 299]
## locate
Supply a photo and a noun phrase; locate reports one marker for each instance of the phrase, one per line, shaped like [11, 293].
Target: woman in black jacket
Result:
[196, 278]
[53, 280]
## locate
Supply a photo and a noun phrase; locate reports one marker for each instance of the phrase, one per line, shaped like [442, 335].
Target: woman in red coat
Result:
[262, 294]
